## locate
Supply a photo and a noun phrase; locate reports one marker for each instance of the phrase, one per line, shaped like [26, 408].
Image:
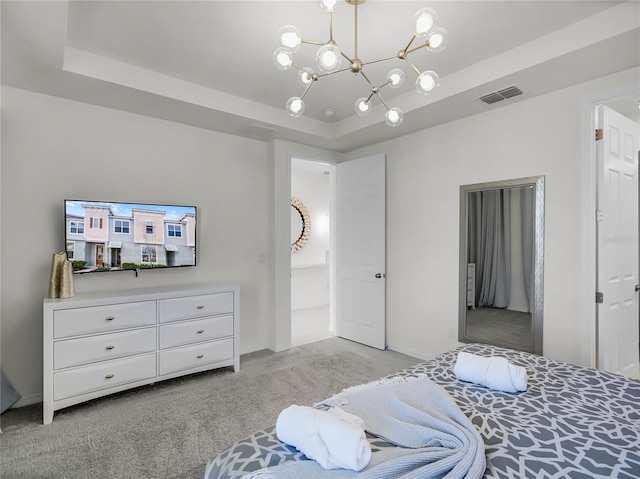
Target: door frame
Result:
[588, 281]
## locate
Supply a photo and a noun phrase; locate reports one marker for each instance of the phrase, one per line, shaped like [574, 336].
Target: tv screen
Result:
[113, 236]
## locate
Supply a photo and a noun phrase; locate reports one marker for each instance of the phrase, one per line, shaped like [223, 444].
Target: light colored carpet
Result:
[169, 430]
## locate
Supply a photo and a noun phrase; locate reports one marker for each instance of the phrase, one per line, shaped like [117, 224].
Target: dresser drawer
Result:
[188, 307]
[174, 360]
[197, 330]
[75, 352]
[103, 375]
[95, 319]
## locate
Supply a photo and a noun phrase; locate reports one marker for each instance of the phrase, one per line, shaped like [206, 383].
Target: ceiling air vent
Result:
[504, 93]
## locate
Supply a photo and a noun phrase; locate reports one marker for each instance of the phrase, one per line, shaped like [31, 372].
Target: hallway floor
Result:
[310, 325]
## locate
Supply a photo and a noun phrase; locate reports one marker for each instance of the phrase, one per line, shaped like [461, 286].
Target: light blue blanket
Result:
[435, 438]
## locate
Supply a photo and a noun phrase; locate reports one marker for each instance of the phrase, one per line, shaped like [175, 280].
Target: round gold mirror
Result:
[300, 224]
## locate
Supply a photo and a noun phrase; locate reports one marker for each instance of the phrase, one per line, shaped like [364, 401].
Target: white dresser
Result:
[99, 344]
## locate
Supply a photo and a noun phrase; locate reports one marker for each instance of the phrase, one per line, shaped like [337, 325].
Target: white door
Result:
[360, 251]
[617, 247]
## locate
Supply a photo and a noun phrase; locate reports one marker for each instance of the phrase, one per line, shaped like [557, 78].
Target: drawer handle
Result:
[200, 306]
[200, 331]
[110, 318]
[200, 356]
[110, 347]
[109, 376]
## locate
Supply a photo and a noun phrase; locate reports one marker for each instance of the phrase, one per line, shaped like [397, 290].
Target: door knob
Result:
[380, 275]
[637, 287]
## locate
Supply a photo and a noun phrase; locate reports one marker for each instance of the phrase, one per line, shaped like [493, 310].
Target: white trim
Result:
[27, 400]
[411, 352]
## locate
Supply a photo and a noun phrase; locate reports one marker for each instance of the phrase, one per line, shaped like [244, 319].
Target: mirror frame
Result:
[306, 224]
[537, 182]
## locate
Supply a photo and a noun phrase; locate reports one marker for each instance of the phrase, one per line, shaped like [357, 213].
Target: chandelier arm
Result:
[382, 100]
[379, 60]
[306, 90]
[345, 56]
[355, 31]
[330, 26]
[369, 98]
[412, 65]
[333, 73]
[416, 48]
[409, 44]
[368, 81]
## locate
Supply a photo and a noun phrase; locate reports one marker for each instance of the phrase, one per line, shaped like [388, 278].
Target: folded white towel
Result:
[334, 438]
[494, 372]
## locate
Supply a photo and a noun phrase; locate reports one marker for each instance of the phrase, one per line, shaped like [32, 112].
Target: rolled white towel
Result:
[494, 372]
[347, 417]
[335, 440]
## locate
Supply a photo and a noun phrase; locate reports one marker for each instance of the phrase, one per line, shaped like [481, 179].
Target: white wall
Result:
[540, 136]
[309, 266]
[54, 149]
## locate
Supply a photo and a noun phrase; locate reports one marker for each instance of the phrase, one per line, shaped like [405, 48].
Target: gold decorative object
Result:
[306, 224]
[61, 283]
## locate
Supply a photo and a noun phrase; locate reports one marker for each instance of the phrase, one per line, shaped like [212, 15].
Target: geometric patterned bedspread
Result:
[571, 422]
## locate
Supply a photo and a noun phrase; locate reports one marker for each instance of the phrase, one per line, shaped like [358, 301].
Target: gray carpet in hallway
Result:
[169, 430]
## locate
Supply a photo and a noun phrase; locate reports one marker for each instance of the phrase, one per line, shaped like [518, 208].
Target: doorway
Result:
[99, 255]
[311, 193]
[116, 257]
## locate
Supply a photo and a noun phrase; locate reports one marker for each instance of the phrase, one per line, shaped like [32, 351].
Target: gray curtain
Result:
[489, 246]
[526, 204]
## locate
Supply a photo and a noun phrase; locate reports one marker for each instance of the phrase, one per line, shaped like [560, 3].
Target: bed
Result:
[571, 422]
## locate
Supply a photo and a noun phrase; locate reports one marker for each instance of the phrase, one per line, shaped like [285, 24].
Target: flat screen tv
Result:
[114, 236]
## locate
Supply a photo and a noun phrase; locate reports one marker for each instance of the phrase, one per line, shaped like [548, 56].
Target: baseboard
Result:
[27, 400]
[409, 352]
[253, 348]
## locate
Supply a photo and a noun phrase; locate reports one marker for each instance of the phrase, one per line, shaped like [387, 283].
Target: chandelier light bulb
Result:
[295, 106]
[290, 37]
[437, 41]
[305, 76]
[283, 58]
[329, 5]
[393, 117]
[363, 107]
[425, 20]
[395, 78]
[427, 82]
[328, 58]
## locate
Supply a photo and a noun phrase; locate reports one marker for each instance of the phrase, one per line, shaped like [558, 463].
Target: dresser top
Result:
[139, 294]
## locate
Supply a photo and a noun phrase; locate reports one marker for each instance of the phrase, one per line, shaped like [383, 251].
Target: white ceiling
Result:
[209, 63]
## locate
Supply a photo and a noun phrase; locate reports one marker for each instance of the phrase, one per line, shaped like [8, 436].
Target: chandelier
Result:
[329, 60]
